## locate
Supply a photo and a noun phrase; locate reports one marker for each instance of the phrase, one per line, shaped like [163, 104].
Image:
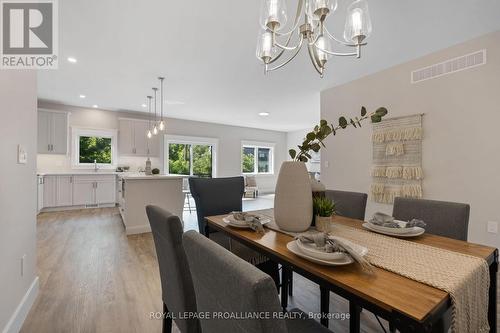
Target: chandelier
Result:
[312, 33]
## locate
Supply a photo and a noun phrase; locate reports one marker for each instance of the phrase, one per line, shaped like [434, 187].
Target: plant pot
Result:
[293, 208]
[323, 223]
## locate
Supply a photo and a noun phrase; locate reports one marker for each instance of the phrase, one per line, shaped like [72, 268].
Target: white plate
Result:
[417, 231]
[311, 250]
[229, 220]
[401, 230]
[293, 247]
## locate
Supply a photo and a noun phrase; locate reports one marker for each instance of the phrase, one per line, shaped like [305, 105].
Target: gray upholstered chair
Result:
[349, 204]
[218, 196]
[448, 219]
[176, 283]
[225, 283]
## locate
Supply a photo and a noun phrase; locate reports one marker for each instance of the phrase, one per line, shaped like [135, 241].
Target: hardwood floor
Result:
[93, 278]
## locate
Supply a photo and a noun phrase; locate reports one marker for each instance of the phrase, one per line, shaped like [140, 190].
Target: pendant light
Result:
[155, 128]
[149, 116]
[162, 123]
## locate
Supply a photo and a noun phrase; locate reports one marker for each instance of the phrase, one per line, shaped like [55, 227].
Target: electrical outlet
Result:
[22, 155]
[493, 227]
[23, 259]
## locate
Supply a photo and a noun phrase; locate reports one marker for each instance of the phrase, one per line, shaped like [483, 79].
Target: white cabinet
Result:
[52, 132]
[64, 196]
[105, 192]
[94, 190]
[133, 140]
[83, 192]
[39, 193]
[50, 191]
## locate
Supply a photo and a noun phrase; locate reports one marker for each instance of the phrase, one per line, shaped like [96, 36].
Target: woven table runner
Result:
[466, 278]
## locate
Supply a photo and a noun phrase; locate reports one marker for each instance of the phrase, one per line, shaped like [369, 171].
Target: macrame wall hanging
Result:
[397, 159]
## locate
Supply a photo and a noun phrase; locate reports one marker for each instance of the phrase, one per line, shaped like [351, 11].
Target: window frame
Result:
[256, 145]
[77, 132]
[193, 141]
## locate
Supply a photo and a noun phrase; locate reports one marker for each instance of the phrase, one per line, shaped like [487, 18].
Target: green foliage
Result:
[95, 149]
[178, 159]
[202, 160]
[323, 206]
[315, 140]
[248, 160]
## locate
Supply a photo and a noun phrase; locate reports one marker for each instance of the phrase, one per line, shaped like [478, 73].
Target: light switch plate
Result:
[22, 155]
[493, 227]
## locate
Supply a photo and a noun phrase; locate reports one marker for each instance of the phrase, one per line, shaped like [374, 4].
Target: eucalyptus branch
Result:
[314, 140]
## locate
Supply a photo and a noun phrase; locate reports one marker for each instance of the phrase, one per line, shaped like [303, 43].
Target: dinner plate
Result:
[401, 230]
[417, 231]
[231, 221]
[312, 250]
[293, 247]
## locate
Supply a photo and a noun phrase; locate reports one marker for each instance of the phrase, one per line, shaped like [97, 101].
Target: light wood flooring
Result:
[93, 278]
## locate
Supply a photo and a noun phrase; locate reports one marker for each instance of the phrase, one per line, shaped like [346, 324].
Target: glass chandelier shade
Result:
[274, 42]
[358, 25]
[161, 125]
[273, 14]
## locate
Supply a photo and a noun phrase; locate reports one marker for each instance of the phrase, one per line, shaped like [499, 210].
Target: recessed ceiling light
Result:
[264, 114]
[95, 106]
[72, 60]
[144, 105]
[82, 96]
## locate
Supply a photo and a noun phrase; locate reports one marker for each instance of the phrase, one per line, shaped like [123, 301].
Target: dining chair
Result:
[218, 196]
[176, 283]
[448, 219]
[349, 204]
[226, 284]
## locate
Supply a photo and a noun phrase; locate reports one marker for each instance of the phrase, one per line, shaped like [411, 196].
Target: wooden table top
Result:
[387, 290]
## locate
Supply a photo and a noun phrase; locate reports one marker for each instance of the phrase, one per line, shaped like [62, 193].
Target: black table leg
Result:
[290, 284]
[285, 275]
[354, 321]
[324, 305]
[492, 297]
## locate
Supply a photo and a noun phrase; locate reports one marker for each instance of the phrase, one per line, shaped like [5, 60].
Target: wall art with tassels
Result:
[397, 159]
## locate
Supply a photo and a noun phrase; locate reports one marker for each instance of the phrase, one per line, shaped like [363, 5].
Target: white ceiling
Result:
[206, 50]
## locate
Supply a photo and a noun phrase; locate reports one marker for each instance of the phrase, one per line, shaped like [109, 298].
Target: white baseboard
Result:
[16, 321]
[140, 229]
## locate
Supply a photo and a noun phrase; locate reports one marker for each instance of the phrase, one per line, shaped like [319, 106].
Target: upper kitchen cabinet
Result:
[52, 132]
[132, 139]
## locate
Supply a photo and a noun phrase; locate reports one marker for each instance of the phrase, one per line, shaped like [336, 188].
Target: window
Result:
[91, 146]
[95, 149]
[190, 156]
[256, 159]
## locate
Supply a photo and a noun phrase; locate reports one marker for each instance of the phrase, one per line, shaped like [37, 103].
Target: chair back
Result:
[448, 219]
[251, 181]
[349, 204]
[224, 283]
[176, 283]
[216, 196]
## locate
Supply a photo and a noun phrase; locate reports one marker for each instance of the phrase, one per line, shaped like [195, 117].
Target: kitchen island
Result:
[136, 191]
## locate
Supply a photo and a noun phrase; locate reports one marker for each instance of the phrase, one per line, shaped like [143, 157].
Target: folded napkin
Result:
[334, 244]
[253, 221]
[385, 220]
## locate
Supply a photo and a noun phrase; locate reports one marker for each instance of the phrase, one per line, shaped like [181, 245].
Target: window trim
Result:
[256, 145]
[190, 140]
[77, 132]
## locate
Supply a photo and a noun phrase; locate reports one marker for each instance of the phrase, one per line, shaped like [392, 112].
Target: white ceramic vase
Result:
[293, 207]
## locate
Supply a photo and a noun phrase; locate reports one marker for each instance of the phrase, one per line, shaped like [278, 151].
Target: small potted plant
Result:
[324, 209]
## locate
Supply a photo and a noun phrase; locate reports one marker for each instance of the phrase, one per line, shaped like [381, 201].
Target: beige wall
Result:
[461, 148]
[17, 196]
[229, 141]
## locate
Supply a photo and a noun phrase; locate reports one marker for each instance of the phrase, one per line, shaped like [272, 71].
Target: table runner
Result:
[466, 278]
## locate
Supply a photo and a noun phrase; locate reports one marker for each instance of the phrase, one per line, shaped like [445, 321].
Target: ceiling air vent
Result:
[449, 66]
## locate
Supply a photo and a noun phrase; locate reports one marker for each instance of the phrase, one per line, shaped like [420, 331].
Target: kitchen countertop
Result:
[77, 173]
[141, 176]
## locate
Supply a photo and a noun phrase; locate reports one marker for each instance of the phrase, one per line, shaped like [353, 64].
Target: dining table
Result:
[408, 305]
